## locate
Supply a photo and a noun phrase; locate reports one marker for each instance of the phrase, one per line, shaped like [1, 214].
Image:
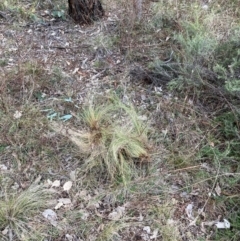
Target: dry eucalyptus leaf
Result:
[189, 211]
[114, 215]
[120, 210]
[49, 182]
[75, 70]
[73, 175]
[56, 183]
[65, 201]
[207, 223]
[218, 190]
[140, 218]
[83, 193]
[100, 228]
[17, 114]
[147, 229]
[58, 205]
[223, 225]
[84, 214]
[142, 118]
[49, 214]
[117, 214]
[52, 202]
[69, 237]
[3, 167]
[5, 231]
[155, 234]
[93, 205]
[67, 186]
[193, 222]
[171, 222]
[38, 179]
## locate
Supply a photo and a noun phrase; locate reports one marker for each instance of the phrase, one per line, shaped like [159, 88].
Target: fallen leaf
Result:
[208, 223]
[114, 215]
[75, 70]
[171, 222]
[5, 231]
[93, 205]
[117, 214]
[49, 182]
[65, 201]
[205, 7]
[67, 186]
[58, 205]
[84, 214]
[155, 234]
[73, 175]
[120, 210]
[3, 167]
[212, 144]
[193, 222]
[83, 193]
[223, 225]
[56, 183]
[220, 225]
[218, 190]
[38, 179]
[140, 218]
[69, 237]
[165, 132]
[158, 89]
[206, 166]
[189, 211]
[142, 118]
[100, 228]
[17, 114]
[147, 229]
[49, 214]
[143, 97]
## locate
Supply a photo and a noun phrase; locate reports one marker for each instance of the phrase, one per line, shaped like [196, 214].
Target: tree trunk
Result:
[85, 11]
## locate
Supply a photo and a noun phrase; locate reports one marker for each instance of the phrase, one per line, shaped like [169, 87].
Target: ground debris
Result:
[139, 74]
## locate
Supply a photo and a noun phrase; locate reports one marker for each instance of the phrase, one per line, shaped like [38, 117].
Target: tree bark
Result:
[85, 11]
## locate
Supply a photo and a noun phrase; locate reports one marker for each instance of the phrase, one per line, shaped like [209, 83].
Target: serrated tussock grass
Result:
[112, 138]
[18, 214]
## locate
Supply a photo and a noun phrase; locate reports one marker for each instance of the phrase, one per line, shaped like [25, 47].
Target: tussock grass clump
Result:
[118, 143]
[113, 139]
[18, 214]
